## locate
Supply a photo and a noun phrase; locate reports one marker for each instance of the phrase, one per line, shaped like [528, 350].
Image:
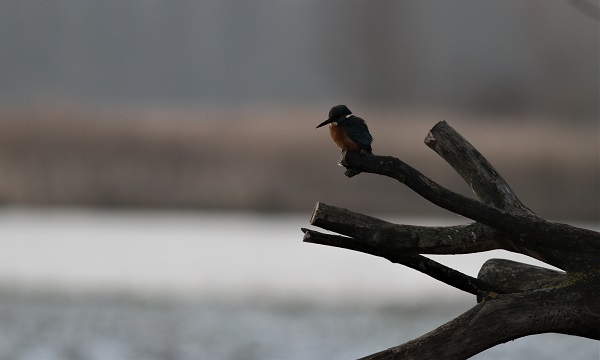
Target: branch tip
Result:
[429, 138]
[313, 216]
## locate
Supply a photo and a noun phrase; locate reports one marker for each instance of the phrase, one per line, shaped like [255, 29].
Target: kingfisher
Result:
[348, 131]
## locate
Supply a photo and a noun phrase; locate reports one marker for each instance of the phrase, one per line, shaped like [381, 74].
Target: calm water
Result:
[150, 285]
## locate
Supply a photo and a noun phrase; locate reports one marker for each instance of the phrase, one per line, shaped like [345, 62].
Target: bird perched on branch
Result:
[349, 132]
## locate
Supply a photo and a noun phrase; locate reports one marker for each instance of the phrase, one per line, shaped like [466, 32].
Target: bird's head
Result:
[336, 114]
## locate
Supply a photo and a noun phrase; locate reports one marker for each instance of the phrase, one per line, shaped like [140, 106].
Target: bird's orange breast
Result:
[341, 139]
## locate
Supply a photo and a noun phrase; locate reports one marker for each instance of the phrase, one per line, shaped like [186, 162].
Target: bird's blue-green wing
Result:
[359, 132]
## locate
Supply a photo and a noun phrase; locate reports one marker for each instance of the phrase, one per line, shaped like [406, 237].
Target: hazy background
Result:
[213, 104]
[152, 150]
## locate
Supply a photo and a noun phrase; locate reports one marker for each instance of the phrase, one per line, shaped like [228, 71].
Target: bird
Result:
[349, 132]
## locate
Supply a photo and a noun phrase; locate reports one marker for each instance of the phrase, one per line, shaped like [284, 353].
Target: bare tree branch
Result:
[501, 319]
[420, 263]
[478, 173]
[515, 299]
[393, 238]
[429, 189]
[560, 245]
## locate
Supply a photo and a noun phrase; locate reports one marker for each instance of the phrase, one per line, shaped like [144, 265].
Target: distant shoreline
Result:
[255, 159]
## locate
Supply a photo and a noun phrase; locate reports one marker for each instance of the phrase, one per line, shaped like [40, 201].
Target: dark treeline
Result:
[504, 57]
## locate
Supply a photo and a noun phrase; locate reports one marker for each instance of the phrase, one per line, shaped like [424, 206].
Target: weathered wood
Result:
[560, 245]
[485, 182]
[521, 277]
[417, 262]
[514, 299]
[393, 238]
[501, 319]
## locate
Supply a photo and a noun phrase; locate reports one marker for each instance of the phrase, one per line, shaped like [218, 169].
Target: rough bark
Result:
[514, 299]
[501, 319]
[418, 262]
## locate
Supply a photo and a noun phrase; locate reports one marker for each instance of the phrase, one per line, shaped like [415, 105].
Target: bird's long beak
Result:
[325, 123]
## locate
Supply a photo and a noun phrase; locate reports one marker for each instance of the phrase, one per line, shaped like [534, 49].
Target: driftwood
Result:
[513, 299]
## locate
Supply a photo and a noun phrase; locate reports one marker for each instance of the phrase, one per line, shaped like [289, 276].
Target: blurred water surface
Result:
[191, 285]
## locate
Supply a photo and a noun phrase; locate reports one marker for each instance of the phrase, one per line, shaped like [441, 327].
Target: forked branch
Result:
[560, 245]
[501, 319]
[515, 299]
